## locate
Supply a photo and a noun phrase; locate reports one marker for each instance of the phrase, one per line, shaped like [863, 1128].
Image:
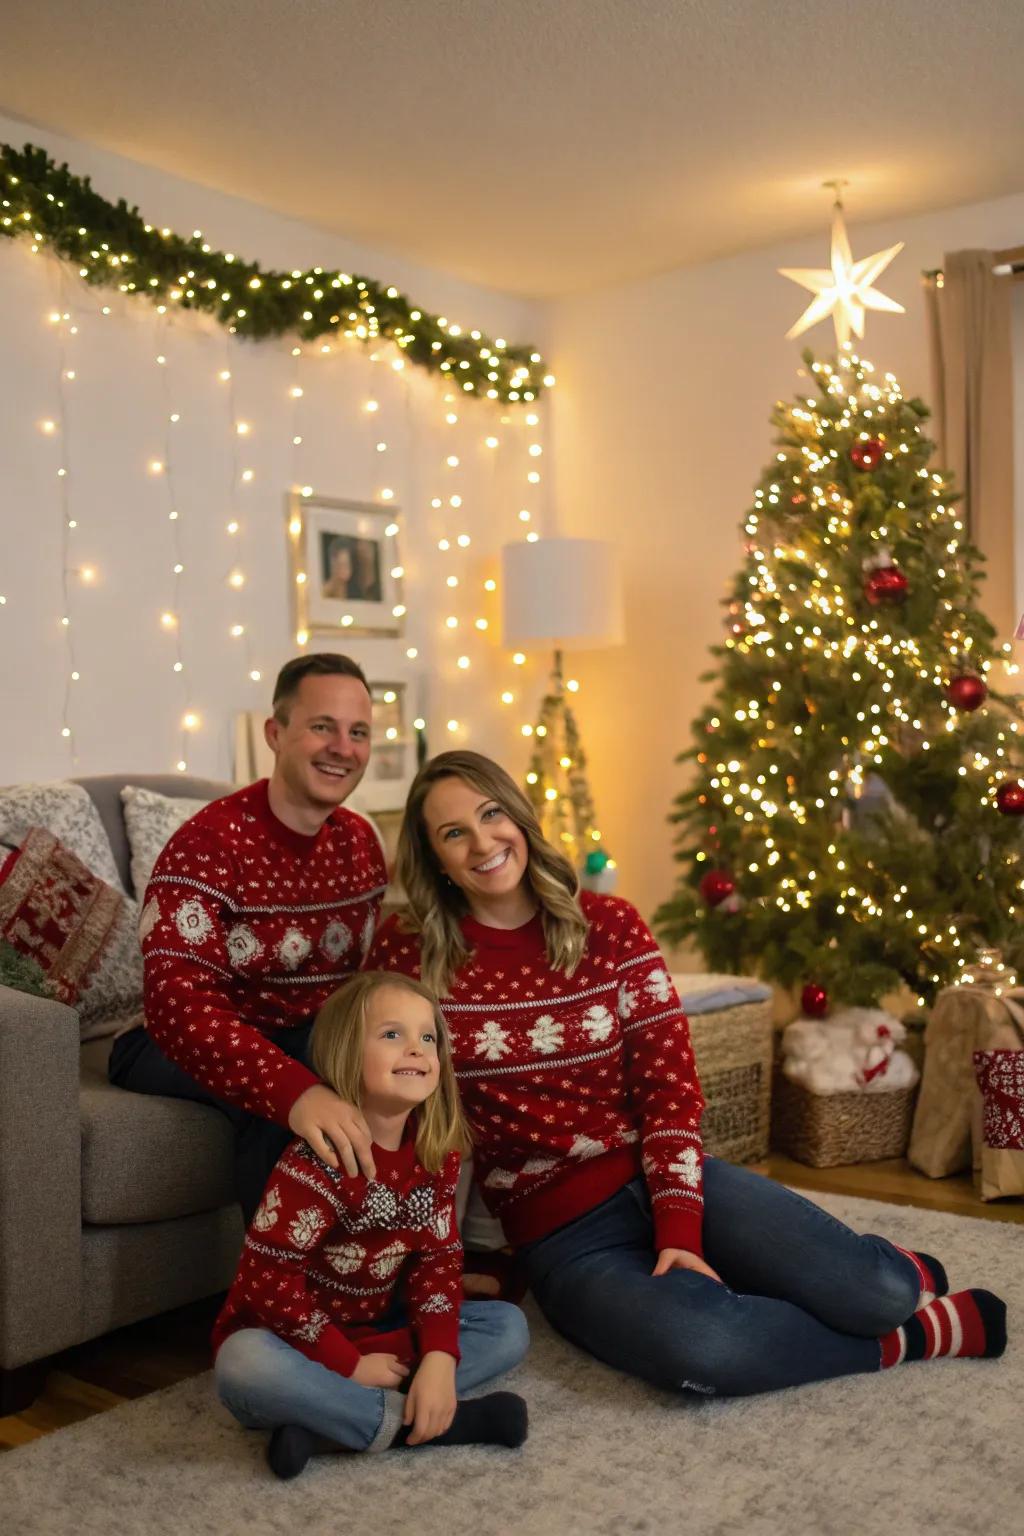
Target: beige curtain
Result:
[970, 332]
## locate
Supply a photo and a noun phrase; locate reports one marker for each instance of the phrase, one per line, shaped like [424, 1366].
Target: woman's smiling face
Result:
[478, 845]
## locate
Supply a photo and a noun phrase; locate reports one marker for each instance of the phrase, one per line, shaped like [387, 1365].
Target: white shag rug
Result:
[935, 1449]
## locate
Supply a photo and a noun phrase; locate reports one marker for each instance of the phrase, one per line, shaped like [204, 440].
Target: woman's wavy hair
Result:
[435, 907]
[336, 1054]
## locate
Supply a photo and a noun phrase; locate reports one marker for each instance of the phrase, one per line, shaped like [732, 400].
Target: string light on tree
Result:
[855, 775]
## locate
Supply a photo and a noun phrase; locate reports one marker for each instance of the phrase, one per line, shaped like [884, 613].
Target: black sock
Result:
[498, 1419]
[290, 1448]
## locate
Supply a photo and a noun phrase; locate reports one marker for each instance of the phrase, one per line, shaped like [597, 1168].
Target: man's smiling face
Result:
[322, 747]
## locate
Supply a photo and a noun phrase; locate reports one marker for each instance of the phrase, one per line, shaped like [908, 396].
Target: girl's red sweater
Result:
[326, 1255]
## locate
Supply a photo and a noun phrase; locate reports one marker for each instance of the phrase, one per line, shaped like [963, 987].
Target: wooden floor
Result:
[124, 1365]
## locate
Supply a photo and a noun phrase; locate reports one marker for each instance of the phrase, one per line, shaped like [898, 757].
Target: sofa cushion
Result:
[68, 812]
[104, 790]
[152, 820]
[55, 911]
[65, 810]
[146, 1158]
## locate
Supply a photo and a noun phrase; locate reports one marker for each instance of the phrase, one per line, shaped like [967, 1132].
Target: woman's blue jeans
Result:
[803, 1299]
[264, 1382]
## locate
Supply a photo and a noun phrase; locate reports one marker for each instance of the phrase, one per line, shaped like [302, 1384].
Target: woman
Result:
[338, 583]
[574, 1060]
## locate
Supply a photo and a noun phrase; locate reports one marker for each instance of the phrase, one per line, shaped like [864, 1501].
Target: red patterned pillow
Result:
[54, 911]
[1000, 1076]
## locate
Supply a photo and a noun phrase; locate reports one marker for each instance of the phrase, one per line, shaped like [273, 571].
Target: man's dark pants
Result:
[138, 1064]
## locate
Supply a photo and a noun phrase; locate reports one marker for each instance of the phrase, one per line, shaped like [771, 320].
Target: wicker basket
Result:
[733, 1048]
[826, 1130]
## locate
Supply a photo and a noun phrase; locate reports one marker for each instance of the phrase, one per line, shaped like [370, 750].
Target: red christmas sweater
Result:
[325, 1255]
[247, 927]
[572, 1084]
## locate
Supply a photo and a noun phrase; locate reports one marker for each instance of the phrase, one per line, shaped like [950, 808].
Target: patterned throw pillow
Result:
[152, 821]
[56, 912]
[66, 810]
[113, 993]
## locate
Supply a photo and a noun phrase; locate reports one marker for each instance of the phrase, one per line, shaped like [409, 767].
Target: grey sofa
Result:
[114, 1206]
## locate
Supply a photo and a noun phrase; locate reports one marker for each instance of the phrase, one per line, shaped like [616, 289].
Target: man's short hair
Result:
[320, 664]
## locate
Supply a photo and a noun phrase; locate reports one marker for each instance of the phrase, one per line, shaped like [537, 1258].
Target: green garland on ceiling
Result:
[113, 247]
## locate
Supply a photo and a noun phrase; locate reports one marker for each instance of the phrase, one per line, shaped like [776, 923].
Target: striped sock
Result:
[929, 1272]
[966, 1323]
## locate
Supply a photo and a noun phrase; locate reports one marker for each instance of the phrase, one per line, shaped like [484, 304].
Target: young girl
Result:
[347, 1288]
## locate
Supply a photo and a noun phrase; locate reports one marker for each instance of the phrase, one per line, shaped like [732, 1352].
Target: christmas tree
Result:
[558, 787]
[853, 822]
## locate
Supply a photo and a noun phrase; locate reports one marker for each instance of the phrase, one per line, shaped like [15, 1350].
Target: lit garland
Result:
[112, 247]
[844, 825]
[472, 439]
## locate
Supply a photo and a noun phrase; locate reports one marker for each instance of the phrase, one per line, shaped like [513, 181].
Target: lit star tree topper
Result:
[845, 289]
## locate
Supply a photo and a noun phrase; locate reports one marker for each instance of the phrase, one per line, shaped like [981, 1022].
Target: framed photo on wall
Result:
[346, 570]
[393, 761]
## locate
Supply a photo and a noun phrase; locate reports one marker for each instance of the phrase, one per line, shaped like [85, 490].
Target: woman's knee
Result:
[885, 1302]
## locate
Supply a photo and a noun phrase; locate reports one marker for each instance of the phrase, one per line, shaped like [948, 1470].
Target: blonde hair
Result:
[435, 906]
[336, 1053]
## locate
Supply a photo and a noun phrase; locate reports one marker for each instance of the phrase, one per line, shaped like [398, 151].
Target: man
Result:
[257, 909]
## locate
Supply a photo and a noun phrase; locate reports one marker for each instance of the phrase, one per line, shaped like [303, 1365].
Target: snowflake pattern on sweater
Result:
[248, 926]
[572, 1084]
[303, 1276]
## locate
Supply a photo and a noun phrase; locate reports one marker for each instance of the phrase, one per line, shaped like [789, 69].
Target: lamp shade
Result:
[561, 592]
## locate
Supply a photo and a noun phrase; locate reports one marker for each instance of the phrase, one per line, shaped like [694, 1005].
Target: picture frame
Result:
[393, 761]
[347, 576]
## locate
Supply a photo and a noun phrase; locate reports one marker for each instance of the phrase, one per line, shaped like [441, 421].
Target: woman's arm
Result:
[663, 1086]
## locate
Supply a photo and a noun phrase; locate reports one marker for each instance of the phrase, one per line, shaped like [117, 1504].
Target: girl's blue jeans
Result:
[803, 1297]
[264, 1382]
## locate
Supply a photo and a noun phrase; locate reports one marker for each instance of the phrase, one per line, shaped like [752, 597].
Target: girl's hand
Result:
[430, 1405]
[380, 1371]
[681, 1258]
[335, 1130]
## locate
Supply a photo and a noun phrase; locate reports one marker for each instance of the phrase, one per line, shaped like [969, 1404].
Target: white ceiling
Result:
[541, 148]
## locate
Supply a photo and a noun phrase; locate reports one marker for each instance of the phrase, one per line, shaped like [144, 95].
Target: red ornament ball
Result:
[868, 453]
[716, 885]
[814, 1001]
[1010, 797]
[966, 692]
[885, 584]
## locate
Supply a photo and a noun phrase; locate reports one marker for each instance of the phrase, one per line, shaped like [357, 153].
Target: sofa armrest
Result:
[40, 1178]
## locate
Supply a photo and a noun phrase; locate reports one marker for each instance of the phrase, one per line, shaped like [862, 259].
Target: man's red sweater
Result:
[572, 1084]
[325, 1255]
[247, 927]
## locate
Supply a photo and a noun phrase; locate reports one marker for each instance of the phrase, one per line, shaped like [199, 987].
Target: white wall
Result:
[660, 430]
[126, 710]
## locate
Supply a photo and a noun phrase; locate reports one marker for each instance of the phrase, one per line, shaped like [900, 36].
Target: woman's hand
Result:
[333, 1129]
[681, 1258]
[380, 1371]
[430, 1405]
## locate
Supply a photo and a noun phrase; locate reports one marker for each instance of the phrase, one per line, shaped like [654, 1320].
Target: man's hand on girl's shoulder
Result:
[335, 1130]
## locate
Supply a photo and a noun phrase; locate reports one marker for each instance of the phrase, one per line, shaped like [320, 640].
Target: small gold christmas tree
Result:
[559, 789]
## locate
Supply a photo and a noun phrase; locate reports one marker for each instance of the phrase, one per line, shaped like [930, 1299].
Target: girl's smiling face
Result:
[401, 1066]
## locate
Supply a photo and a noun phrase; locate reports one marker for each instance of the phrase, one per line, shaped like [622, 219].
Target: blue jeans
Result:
[803, 1299]
[264, 1382]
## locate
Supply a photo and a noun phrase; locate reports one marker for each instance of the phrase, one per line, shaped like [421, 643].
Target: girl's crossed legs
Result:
[265, 1383]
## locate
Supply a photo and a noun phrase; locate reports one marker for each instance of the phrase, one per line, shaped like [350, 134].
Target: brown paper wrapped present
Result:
[964, 1020]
